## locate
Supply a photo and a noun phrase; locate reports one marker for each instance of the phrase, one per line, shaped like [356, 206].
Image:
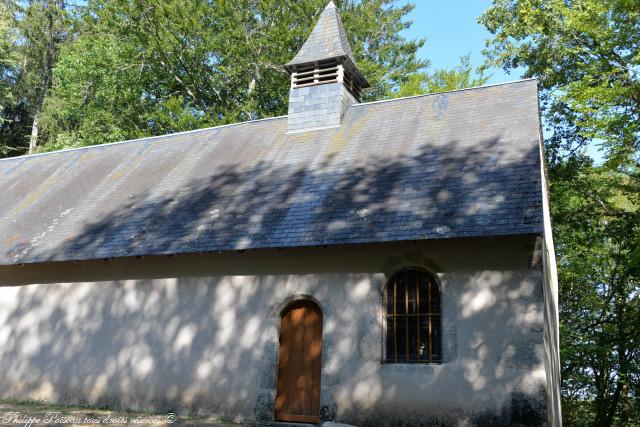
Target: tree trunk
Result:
[625, 407]
[623, 369]
[33, 140]
[602, 381]
[49, 54]
[620, 398]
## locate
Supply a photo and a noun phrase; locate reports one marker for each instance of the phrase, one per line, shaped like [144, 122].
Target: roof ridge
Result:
[126, 141]
[146, 138]
[445, 92]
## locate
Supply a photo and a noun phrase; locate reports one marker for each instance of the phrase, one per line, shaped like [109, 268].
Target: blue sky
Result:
[452, 30]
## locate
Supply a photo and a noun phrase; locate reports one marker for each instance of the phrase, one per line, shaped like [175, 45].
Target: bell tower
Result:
[325, 81]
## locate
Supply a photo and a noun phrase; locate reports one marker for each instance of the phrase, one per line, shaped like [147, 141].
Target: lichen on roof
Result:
[450, 165]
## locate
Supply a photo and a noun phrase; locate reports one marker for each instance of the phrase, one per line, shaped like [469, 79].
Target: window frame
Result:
[434, 280]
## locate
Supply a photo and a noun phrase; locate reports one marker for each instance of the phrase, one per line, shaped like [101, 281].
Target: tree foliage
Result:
[442, 80]
[148, 67]
[38, 29]
[97, 71]
[596, 228]
[586, 57]
[8, 56]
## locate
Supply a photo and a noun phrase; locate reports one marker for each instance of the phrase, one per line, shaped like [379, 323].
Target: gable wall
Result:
[200, 333]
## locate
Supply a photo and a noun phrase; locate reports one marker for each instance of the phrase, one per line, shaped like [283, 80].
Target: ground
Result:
[38, 413]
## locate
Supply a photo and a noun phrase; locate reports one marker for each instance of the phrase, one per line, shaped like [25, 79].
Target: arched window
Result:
[413, 318]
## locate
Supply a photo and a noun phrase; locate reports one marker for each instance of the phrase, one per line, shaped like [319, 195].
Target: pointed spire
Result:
[328, 40]
[325, 81]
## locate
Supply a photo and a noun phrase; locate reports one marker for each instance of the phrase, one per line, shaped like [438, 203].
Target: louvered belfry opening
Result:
[327, 72]
[413, 318]
[331, 71]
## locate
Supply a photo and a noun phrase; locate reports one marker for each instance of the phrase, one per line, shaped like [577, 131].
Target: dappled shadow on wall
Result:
[210, 345]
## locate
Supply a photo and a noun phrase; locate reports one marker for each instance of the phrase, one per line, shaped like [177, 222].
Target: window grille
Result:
[413, 318]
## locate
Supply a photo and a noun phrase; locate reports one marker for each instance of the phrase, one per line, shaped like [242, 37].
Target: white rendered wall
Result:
[209, 343]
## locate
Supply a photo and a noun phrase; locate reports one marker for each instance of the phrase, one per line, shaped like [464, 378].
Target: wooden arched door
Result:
[298, 397]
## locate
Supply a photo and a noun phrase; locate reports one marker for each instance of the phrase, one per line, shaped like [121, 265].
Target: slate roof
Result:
[328, 40]
[456, 164]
